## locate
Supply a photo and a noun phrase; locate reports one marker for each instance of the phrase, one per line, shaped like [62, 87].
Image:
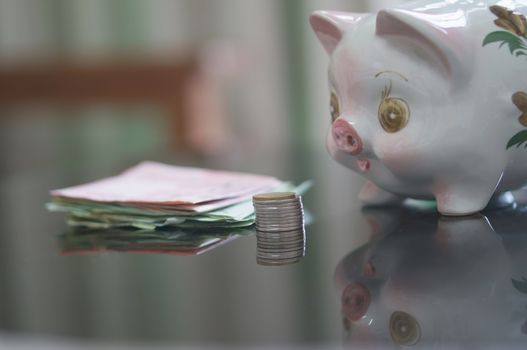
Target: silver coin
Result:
[294, 230]
[294, 241]
[297, 231]
[269, 196]
[298, 199]
[273, 262]
[279, 244]
[285, 226]
[270, 258]
[277, 235]
[270, 217]
[277, 204]
[276, 256]
[282, 206]
[281, 230]
[275, 212]
[273, 254]
[270, 237]
[267, 262]
[281, 241]
[281, 253]
[280, 226]
[283, 196]
[285, 231]
[285, 205]
[297, 250]
[278, 211]
[280, 215]
[280, 256]
[280, 247]
[278, 219]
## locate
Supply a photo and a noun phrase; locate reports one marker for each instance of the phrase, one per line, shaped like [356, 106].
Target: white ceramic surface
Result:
[434, 282]
[429, 100]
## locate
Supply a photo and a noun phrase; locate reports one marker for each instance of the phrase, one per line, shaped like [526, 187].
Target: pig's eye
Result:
[334, 107]
[393, 114]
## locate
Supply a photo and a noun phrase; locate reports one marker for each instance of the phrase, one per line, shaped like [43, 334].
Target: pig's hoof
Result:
[371, 194]
[453, 213]
[460, 206]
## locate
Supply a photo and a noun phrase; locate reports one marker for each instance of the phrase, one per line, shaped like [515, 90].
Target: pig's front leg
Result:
[465, 197]
[371, 194]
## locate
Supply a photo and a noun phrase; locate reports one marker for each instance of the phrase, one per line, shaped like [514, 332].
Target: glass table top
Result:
[387, 277]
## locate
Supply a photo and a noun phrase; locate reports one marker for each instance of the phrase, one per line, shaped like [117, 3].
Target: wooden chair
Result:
[69, 84]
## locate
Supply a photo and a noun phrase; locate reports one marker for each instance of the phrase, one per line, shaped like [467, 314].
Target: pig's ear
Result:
[330, 26]
[437, 33]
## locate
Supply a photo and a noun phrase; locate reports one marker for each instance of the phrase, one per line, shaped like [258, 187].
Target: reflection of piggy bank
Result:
[420, 283]
[429, 100]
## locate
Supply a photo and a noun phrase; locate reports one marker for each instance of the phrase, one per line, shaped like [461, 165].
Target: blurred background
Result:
[90, 87]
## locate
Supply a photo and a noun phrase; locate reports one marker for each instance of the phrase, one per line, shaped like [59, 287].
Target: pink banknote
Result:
[159, 185]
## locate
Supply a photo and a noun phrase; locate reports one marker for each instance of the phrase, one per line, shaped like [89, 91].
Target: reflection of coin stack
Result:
[280, 231]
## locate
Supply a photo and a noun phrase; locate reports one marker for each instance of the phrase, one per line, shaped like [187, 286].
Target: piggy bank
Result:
[429, 100]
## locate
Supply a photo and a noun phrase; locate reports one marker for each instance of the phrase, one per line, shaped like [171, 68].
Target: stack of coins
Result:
[280, 234]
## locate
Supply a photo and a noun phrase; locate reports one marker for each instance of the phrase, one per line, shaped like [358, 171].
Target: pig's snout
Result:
[346, 137]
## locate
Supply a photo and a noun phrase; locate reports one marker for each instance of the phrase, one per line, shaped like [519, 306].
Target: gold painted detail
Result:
[510, 21]
[393, 112]
[520, 100]
[404, 329]
[334, 107]
[391, 72]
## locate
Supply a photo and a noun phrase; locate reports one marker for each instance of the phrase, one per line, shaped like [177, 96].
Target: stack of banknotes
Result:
[153, 195]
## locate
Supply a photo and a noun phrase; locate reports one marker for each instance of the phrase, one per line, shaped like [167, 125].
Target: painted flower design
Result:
[508, 20]
[515, 34]
[515, 39]
[520, 100]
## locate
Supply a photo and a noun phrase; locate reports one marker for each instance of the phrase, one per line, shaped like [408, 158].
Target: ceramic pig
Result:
[429, 99]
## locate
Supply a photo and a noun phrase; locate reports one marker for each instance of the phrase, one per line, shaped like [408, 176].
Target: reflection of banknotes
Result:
[176, 242]
[152, 195]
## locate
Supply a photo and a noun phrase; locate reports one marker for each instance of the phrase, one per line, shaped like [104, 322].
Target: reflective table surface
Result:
[389, 277]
